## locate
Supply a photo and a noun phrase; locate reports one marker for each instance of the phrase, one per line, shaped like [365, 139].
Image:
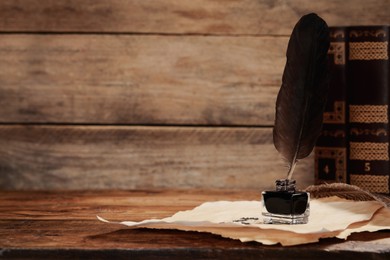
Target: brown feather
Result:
[345, 191]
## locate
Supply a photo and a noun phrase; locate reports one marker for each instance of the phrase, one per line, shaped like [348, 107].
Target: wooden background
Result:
[149, 94]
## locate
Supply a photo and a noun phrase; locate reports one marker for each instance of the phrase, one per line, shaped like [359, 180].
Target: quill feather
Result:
[302, 96]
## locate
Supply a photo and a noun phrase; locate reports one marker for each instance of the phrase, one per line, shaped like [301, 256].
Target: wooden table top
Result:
[37, 224]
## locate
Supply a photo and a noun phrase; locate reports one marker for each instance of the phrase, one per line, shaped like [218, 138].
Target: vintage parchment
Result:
[242, 220]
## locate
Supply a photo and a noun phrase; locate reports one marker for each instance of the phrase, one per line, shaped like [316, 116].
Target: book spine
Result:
[330, 152]
[368, 99]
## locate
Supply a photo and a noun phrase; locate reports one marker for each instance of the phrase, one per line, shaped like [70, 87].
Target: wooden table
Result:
[63, 225]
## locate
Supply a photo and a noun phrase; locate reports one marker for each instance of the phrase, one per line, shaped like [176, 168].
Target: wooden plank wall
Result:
[149, 94]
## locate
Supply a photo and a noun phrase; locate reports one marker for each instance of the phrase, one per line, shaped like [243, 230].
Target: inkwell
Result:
[298, 119]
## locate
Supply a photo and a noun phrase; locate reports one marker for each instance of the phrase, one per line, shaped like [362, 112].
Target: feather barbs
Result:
[302, 96]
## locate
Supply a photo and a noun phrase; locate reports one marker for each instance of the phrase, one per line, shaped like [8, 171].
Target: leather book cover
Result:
[331, 147]
[368, 100]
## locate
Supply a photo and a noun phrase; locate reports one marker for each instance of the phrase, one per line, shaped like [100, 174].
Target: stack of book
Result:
[354, 144]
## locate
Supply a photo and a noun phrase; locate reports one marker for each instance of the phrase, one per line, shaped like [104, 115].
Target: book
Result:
[368, 99]
[353, 146]
[331, 147]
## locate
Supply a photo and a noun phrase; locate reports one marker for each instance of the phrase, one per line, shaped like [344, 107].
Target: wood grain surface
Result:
[140, 79]
[237, 17]
[125, 157]
[79, 78]
[63, 225]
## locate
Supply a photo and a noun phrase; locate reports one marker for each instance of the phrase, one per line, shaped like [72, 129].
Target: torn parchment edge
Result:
[246, 233]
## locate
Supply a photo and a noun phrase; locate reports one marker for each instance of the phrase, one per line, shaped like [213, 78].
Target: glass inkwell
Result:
[285, 205]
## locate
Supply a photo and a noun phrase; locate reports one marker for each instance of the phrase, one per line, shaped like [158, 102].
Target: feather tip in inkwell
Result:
[298, 119]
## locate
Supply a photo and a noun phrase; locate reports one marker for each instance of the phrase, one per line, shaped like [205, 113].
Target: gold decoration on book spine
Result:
[368, 131]
[337, 34]
[379, 33]
[372, 183]
[369, 151]
[339, 133]
[368, 114]
[338, 51]
[337, 116]
[368, 51]
[339, 155]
